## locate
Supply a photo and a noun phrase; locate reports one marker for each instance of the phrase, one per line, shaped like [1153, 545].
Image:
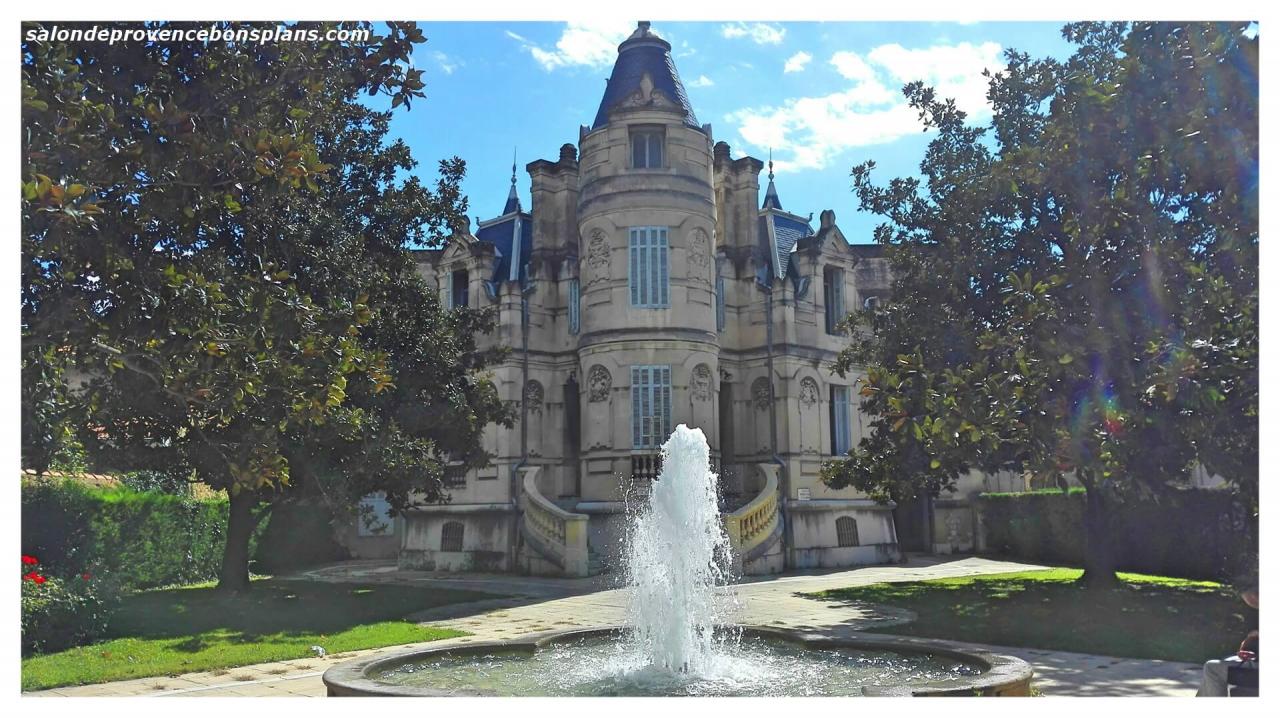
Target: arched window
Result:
[451, 536]
[847, 531]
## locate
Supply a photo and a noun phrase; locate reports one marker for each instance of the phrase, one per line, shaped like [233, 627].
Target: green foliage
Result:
[177, 483]
[1075, 285]
[137, 539]
[215, 241]
[167, 632]
[297, 534]
[58, 613]
[1194, 533]
[1149, 617]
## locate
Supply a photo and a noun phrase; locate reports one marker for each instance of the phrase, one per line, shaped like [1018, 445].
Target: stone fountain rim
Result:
[1002, 674]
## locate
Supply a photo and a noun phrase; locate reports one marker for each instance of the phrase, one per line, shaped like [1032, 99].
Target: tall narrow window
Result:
[847, 531]
[648, 273]
[719, 301]
[840, 426]
[646, 149]
[451, 536]
[650, 406]
[833, 297]
[458, 289]
[575, 316]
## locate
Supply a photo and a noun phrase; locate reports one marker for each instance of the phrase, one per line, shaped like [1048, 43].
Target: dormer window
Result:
[646, 149]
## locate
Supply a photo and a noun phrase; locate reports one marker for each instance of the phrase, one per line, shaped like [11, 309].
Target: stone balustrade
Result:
[557, 535]
[751, 527]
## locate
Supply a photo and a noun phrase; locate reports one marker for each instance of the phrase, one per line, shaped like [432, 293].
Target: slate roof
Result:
[771, 200]
[642, 53]
[501, 233]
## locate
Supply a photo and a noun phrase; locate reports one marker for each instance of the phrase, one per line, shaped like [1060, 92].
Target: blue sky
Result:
[824, 96]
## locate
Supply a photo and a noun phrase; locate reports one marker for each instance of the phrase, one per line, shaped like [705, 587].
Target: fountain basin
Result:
[826, 666]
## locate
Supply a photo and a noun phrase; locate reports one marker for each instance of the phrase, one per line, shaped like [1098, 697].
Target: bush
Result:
[138, 539]
[1191, 533]
[166, 482]
[59, 613]
[299, 533]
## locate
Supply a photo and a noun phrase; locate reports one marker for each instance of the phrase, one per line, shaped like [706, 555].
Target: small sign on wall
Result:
[802, 494]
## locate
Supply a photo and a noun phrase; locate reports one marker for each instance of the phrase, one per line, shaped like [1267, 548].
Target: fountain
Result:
[680, 636]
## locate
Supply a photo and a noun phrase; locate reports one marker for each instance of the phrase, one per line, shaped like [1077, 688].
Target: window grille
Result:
[648, 271]
[650, 406]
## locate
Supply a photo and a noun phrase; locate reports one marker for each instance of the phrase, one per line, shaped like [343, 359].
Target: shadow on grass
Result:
[272, 608]
[1142, 617]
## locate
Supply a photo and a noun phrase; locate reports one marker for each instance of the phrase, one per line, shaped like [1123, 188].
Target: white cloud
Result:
[759, 32]
[955, 71]
[852, 67]
[810, 132]
[582, 44]
[796, 62]
[701, 81]
[446, 63]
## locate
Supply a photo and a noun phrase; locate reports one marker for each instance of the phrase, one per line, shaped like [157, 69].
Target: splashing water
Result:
[676, 557]
[679, 639]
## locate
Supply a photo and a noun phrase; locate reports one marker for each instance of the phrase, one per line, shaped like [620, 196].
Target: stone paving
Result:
[533, 605]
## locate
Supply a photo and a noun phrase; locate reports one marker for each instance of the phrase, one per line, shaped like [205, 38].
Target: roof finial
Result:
[770, 164]
[513, 165]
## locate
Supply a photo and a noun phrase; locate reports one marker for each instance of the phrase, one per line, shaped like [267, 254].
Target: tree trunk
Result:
[1099, 553]
[234, 577]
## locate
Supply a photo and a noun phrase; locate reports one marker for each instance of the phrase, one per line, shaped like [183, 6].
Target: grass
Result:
[195, 628]
[1144, 617]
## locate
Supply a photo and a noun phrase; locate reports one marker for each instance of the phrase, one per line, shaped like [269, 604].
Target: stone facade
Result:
[649, 288]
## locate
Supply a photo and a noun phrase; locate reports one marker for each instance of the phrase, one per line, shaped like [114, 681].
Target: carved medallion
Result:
[700, 386]
[598, 383]
[808, 391]
[598, 255]
[760, 393]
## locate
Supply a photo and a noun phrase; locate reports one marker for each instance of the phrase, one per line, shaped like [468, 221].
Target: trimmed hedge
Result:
[1193, 533]
[139, 539]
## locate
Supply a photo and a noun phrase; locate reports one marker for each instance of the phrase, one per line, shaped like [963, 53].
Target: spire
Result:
[513, 199]
[771, 200]
[640, 55]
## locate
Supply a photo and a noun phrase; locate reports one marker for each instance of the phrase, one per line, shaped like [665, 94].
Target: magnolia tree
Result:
[1075, 287]
[216, 274]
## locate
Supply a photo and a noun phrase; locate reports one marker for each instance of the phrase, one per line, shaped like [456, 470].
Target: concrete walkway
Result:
[533, 605]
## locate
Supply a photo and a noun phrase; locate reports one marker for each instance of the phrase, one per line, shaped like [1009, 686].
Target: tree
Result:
[214, 239]
[1075, 285]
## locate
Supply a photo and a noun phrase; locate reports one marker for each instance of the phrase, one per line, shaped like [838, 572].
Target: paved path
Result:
[543, 604]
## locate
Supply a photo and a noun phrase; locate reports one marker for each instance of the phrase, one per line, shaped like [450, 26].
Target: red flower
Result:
[39, 579]
[85, 576]
[29, 560]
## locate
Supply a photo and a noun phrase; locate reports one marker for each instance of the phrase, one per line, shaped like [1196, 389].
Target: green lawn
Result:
[1145, 617]
[172, 631]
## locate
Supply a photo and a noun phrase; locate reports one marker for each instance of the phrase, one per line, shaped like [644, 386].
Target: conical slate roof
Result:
[644, 54]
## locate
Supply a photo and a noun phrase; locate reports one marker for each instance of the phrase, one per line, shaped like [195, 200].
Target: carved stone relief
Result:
[808, 392]
[700, 386]
[598, 255]
[699, 255]
[598, 383]
[760, 393]
[533, 394]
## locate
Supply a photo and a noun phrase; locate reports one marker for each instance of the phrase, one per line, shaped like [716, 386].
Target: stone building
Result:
[648, 286]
